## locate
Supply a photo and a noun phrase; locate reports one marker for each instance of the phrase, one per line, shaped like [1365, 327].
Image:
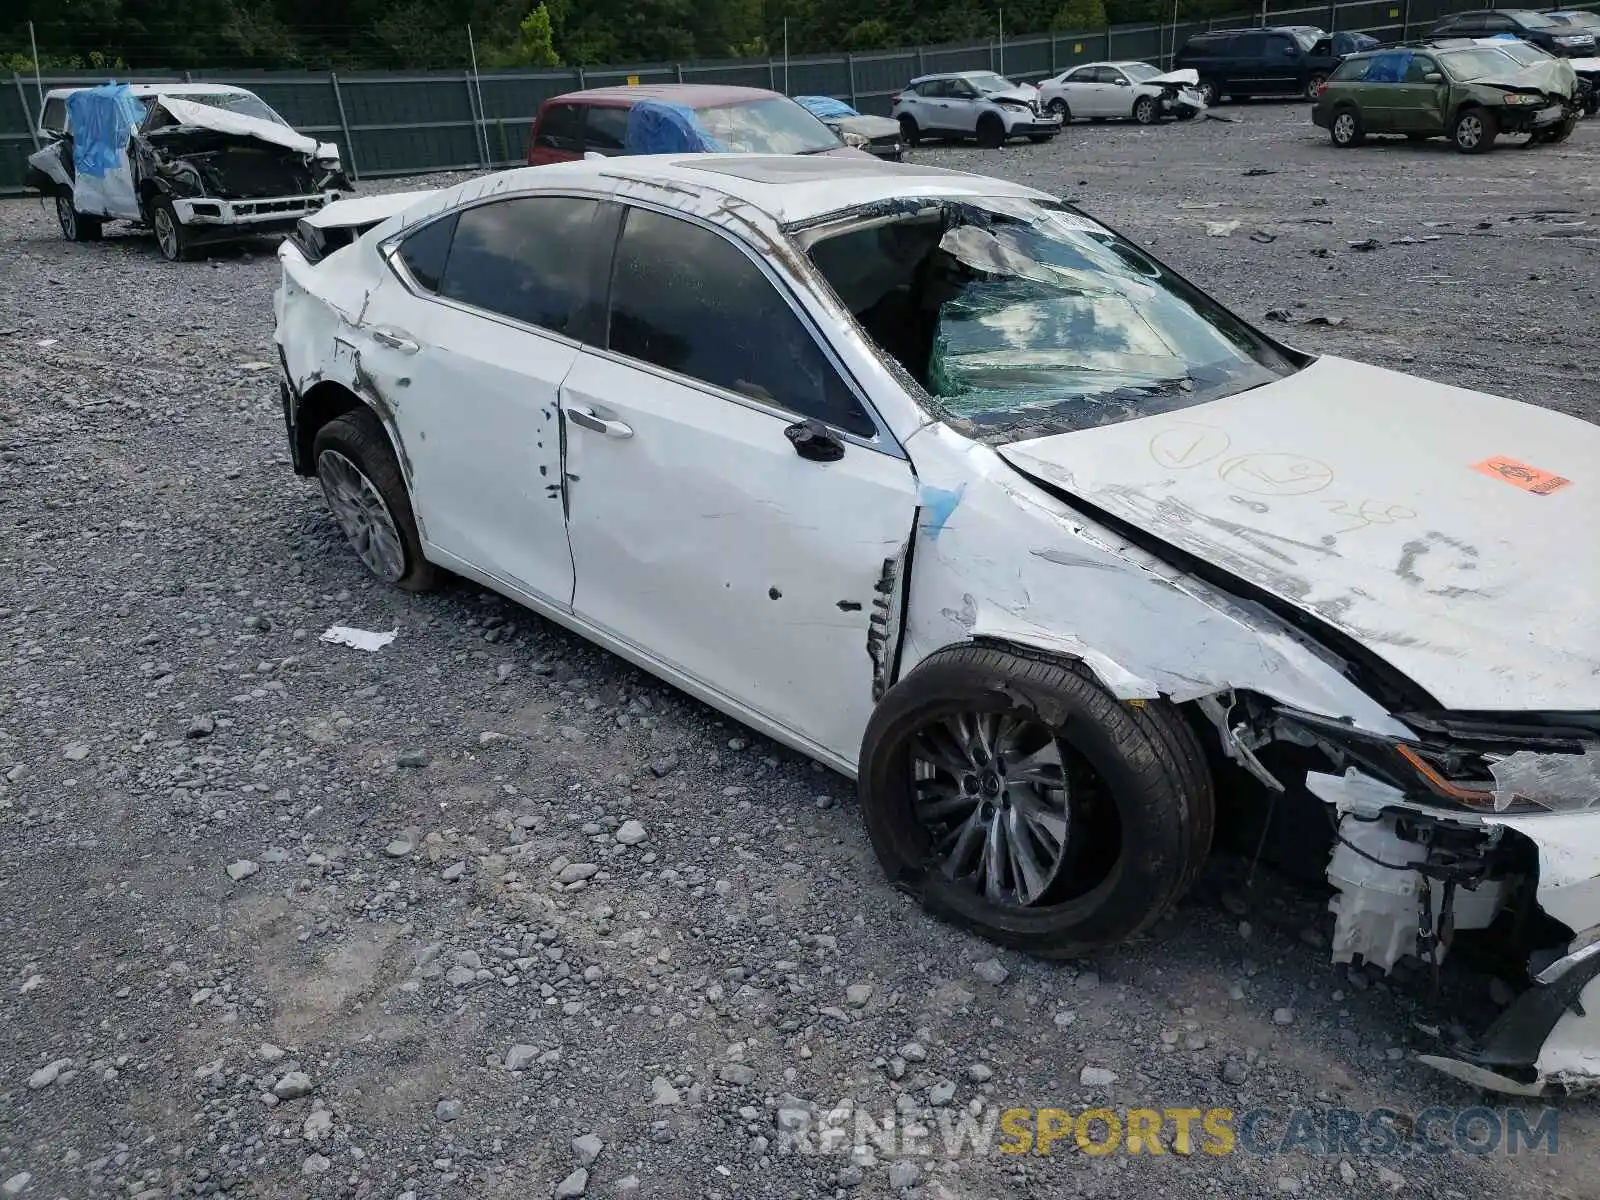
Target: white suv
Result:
[975, 104]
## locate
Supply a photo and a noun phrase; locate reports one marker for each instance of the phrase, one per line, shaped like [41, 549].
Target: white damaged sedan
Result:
[944, 484]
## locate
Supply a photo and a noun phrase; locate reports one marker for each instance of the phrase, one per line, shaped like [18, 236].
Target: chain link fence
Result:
[389, 123]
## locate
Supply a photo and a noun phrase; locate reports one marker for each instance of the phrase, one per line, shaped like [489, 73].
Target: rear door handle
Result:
[394, 341]
[585, 418]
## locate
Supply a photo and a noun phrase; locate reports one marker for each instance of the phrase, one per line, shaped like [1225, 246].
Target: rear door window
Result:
[1250, 45]
[686, 299]
[1281, 47]
[561, 128]
[530, 259]
[1351, 70]
[605, 128]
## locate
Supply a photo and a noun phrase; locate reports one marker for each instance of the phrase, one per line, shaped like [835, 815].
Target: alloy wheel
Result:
[1469, 131]
[68, 216]
[992, 790]
[360, 509]
[166, 234]
[1344, 128]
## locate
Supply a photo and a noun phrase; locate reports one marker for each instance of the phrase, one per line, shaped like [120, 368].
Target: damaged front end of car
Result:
[1180, 93]
[1479, 829]
[227, 171]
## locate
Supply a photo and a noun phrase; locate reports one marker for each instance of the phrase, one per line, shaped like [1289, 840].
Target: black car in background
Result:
[1554, 36]
[1241, 63]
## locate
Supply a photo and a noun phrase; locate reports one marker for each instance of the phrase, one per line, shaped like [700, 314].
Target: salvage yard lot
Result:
[231, 853]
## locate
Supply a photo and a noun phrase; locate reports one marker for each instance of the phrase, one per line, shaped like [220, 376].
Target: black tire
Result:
[359, 437]
[1186, 114]
[1146, 111]
[1474, 130]
[1061, 109]
[1344, 128]
[76, 226]
[1140, 766]
[1210, 92]
[910, 132]
[1314, 85]
[172, 236]
[991, 132]
[1557, 133]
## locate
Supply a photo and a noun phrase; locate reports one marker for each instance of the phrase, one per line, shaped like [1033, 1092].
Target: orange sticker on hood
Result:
[1520, 474]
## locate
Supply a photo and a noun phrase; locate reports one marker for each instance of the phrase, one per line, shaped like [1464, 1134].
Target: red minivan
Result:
[750, 120]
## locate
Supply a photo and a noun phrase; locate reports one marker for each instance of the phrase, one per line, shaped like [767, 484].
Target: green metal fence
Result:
[410, 123]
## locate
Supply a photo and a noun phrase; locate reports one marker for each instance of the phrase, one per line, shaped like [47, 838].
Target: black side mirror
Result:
[815, 441]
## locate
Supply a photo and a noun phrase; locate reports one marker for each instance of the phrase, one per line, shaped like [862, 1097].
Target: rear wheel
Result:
[991, 131]
[362, 484]
[76, 226]
[1345, 130]
[1314, 86]
[1060, 108]
[1015, 796]
[910, 134]
[1146, 111]
[1474, 130]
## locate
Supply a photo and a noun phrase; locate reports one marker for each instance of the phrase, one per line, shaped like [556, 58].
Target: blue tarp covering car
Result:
[102, 119]
[662, 127]
[826, 108]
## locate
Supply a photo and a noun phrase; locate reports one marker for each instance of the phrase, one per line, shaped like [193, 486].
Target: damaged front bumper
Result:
[1411, 877]
[262, 211]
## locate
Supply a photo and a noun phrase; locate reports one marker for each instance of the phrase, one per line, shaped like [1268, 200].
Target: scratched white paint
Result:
[693, 541]
[1350, 491]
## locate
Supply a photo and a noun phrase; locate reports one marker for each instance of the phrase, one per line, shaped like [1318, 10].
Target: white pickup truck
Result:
[196, 163]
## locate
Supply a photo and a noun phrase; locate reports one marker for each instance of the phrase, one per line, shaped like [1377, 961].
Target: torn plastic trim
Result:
[1239, 742]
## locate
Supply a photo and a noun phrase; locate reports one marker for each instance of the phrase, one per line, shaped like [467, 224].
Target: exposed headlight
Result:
[1519, 98]
[856, 141]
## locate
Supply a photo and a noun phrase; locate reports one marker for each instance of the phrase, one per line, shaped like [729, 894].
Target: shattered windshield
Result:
[1022, 318]
[988, 81]
[1467, 65]
[775, 126]
[1525, 53]
[243, 103]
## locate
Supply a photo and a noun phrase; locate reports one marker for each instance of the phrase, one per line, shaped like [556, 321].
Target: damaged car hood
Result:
[206, 116]
[1555, 77]
[1453, 534]
[1188, 77]
[1023, 95]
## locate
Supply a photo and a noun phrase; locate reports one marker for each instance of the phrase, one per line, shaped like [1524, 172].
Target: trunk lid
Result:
[1452, 533]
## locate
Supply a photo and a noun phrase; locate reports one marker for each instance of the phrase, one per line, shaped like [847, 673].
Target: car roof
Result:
[163, 89]
[691, 95]
[787, 188]
[952, 75]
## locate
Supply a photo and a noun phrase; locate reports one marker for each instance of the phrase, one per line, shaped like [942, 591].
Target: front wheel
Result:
[1015, 796]
[76, 226]
[1557, 133]
[172, 236]
[991, 132]
[1474, 130]
[1146, 111]
[1346, 131]
[362, 484]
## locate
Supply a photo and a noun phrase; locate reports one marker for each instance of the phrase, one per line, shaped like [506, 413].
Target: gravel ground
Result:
[490, 913]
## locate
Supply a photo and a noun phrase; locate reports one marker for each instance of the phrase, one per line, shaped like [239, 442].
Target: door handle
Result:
[394, 341]
[585, 418]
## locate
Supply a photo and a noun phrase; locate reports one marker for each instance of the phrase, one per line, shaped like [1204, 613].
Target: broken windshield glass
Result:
[1022, 318]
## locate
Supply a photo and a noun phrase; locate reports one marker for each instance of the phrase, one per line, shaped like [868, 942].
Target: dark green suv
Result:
[1469, 92]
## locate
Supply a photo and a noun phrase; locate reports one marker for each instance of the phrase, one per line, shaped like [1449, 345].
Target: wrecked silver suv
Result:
[196, 163]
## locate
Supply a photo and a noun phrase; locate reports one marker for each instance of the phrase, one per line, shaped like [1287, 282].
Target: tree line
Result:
[352, 35]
